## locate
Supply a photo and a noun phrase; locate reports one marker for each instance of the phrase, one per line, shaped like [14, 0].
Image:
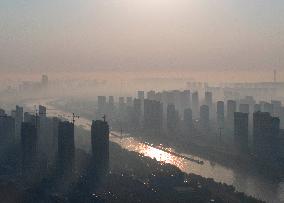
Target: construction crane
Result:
[104, 118]
[73, 117]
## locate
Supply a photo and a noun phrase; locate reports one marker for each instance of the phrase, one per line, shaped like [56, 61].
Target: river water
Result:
[251, 184]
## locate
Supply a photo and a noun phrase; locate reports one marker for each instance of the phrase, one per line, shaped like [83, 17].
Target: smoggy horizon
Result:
[132, 35]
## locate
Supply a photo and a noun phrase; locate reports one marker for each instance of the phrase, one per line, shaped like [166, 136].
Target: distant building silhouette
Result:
[102, 105]
[151, 95]
[19, 118]
[257, 108]
[100, 146]
[172, 118]
[220, 114]
[141, 95]
[42, 111]
[209, 101]
[244, 108]
[204, 117]
[231, 109]
[44, 81]
[185, 100]
[137, 114]
[267, 107]
[153, 116]
[129, 101]
[187, 120]
[195, 105]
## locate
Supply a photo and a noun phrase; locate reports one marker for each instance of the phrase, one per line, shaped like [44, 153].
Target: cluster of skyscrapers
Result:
[254, 126]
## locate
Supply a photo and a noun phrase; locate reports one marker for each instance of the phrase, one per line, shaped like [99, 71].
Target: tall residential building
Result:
[257, 108]
[231, 109]
[241, 122]
[151, 95]
[276, 107]
[185, 100]
[187, 119]
[100, 147]
[141, 95]
[220, 114]
[204, 117]
[7, 130]
[19, 118]
[195, 105]
[28, 148]
[102, 105]
[66, 146]
[267, 107]
[153, 116]
[281, 116]
[2, 112]
[244, 108]
[44, 80]
[137, 114]
[172, 118]
[265, 134]
[209, 100]
[42, 111]
[129, 101]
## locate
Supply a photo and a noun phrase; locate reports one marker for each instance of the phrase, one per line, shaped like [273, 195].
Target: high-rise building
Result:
[265, 134]
[151, 95]
[7, 130]
[2, 112]
[102, 105]
[267, 107]
[209, 100]
[204, 117]
[257, 108]
[141, 95]
[153, 116]
[129, 101]
[281, 116]
[100, 147]
[231, 109]
[172, 118]
[137, 114]
[44, 81]
[220, 114]
[42, 111]
[19, 118]
[185, 100]
[29, 148]
[187, 119]
[195, 105]
[244, 108]
[276, 107]
[241, 122]
[66, 146]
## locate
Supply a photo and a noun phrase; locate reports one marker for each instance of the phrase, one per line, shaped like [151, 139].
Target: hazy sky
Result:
[141, 34]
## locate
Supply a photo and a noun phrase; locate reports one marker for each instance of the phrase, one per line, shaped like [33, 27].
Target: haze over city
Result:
[142, 101]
